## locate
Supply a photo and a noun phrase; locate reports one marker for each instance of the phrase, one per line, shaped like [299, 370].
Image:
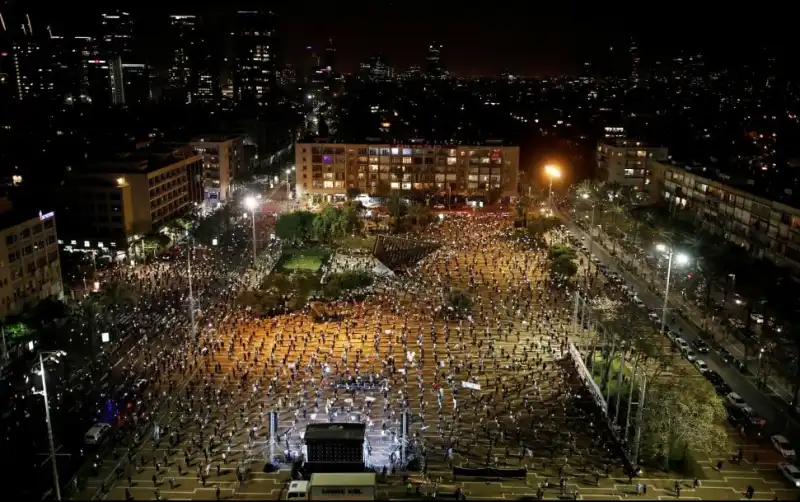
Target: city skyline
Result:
[522, 40]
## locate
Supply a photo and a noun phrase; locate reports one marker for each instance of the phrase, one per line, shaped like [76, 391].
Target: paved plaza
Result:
[531, 409]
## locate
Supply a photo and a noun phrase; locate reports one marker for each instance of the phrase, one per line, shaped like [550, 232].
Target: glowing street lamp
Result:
[680, 259]
[49, 356]
[251, 203]
[552, 172]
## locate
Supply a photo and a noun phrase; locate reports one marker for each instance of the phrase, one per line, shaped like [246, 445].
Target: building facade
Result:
[30, 269]
[116, 202]
[327, 170]
[627, 162]
[222, 158]
[766, 228]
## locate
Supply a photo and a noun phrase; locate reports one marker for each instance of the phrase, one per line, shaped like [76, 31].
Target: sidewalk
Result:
[719, 334]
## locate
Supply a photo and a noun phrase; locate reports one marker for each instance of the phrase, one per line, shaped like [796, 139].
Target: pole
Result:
[254, 236]
[288, 186]
[639, 418]
[49, 430]
[575, 311]
[619, 385]
[666, 291]
[550, 194]
[630, 402]
[5, 347]
[591, 237]
[191, 293]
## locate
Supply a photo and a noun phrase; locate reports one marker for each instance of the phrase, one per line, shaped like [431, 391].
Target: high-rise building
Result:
[181, 71]
[127, 79]
[329, 58]
[627, 162]
[379, 71]
[636, 61]
[327, 170]
[255, 56]
[30, 269]
[434, 69]
[111, 201]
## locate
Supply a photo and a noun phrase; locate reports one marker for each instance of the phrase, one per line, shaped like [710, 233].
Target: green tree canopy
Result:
[295, 227]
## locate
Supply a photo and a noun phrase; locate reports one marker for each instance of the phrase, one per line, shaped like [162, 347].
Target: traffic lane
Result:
[777, 419]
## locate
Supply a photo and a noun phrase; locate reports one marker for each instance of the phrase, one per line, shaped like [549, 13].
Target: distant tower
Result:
[635, 63]
[329, 58]
[434, 67]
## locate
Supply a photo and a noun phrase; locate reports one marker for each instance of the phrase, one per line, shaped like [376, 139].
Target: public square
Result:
[407, 351]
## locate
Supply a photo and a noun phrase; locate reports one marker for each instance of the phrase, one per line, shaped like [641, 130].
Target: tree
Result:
[563, 267]
[154, 241]
[419, 213]
[458, 302]
[397, 208]
[353, 193]
[539, 227]
[683, 417]
[296, 227]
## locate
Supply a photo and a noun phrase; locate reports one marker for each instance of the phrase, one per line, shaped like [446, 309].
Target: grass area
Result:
[309, 260]
[356, 243]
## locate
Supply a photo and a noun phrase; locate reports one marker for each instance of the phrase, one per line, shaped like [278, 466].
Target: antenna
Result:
[2, 22]
[24, 31]
[50, 31]
[30, 27]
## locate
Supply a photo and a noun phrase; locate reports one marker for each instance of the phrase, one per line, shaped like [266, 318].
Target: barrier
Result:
[594, 389]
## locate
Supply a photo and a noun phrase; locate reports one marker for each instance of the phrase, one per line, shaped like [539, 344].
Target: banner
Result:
[588, 380]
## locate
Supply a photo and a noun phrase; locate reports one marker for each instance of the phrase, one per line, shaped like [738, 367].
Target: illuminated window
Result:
[328, 184]
[407, 160]
[406, 151]
[451, 161]
[395, 151]
[395, 185]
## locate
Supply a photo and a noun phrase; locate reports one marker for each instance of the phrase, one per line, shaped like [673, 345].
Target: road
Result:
[777, 418]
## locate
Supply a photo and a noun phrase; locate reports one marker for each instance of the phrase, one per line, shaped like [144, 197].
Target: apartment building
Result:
[114, 202]
[326, 170]
[767, 228]
[627, 162]
[222, 157]
[30, 269]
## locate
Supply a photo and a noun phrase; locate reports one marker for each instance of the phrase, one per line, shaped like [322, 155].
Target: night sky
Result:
[529, 38]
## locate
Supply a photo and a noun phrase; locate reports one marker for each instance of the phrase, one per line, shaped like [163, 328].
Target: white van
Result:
[298, 490]
[96, 433]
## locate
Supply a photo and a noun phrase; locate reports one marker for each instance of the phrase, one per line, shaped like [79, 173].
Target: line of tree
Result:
[718, 267]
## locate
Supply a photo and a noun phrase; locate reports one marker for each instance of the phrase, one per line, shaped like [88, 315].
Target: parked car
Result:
[736, 400]
[745, 419]
[790, 472]
[690, 355]
[701, 365]
[783, 446]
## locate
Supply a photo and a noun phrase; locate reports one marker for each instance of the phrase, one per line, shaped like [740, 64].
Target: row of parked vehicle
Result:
[740, 414]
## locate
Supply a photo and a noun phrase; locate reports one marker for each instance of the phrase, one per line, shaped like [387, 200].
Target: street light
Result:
[51, 356]
[585, 196]
[288, 185]
[681, 259]
[251, 203]
[553, 173]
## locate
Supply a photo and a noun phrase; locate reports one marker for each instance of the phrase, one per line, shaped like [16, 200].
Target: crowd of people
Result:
[490, 387]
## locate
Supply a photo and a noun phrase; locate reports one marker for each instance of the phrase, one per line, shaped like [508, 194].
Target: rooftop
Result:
[422, 142]
[15, 216]
[214, 138]
[146, 159]
[628, 143]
